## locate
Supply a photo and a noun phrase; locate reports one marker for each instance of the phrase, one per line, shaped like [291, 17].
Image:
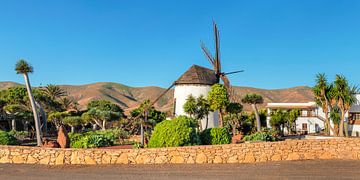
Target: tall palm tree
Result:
[24, 68]
[344, 95]
[253, 100]
[321, 92]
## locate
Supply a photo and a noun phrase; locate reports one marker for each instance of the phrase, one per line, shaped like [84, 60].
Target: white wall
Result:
[310, 121]
[182, 92]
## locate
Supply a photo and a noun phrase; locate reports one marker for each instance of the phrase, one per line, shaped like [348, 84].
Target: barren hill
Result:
[130, 97]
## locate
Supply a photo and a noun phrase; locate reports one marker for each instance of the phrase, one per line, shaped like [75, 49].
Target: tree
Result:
[253, 100]
[277, 119]
[291, 117]
[54, 91]
[198, 108]
[344, 95]
[335, 117]
[72, 121]
[218, 98]
[57, 118]
[102, 111]
[190, 106]
[22, 67]
[203, 110]
[322, 94]
[13, 110]
[233, 116]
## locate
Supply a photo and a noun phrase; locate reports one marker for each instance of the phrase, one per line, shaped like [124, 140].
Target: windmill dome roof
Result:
[198, 75]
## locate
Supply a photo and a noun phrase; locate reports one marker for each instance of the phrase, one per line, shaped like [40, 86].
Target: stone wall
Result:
[240, 153]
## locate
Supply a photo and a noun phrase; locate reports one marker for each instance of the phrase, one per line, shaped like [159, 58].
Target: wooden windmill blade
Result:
[217, 49]
[208, 55]
[153, 102]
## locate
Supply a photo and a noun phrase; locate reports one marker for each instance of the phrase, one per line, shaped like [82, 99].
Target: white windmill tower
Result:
[196, 81]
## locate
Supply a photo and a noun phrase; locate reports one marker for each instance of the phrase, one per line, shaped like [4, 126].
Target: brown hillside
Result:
[130, 97]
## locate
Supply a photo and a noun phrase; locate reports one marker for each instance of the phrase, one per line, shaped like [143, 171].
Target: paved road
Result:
[279, 170]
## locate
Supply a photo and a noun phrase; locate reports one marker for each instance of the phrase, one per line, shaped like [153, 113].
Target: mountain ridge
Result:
[129, 97]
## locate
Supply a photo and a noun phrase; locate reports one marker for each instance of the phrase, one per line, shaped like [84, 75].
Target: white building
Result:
[312, 117]
[195, 81]
[354, 118]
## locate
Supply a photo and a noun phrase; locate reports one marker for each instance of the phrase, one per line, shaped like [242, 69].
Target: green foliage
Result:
[190, 106]
[104, 105]
[252, 99]
[94, 139]
[215, 136]
[19, 134]
[264, 135]
[180, 131]
[72, 120]
[218, 97]
[7, 139]
[23, 67]
[153, 117]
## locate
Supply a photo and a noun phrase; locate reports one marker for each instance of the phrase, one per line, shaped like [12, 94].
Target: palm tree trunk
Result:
[258, 123]
[33, 107]
[341, 128]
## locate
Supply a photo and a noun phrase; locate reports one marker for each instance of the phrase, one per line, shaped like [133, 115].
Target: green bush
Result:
[215, 136]
[180, 131]
[264, 135]
[7, 139]
[21, 135]
[94, 139]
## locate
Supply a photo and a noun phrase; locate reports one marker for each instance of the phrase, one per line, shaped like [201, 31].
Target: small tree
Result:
[218, 98]
[253, 100]
[203, 110]
[190, 106]
[102, 111]
[198, 108]
[72, 121]
[22, 67]
[291, 117]
[57, 118]
[233, 116]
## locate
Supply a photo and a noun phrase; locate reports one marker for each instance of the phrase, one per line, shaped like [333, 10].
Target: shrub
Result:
[265, 135]
[94, 139]
[180, 131]
[215, 136]
[20, 135]
[7, 139]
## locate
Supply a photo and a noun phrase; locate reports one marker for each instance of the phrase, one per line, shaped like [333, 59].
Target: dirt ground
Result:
[333, 169]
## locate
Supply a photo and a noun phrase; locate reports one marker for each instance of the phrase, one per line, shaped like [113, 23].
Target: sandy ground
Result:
[334, 169]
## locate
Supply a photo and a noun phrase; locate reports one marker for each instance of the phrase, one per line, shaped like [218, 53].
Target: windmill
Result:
[216, 64]
[196, 81]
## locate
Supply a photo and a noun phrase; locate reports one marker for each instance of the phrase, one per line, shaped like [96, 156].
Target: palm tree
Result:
[54, 91]
[190, 106]
[22, 67]
[322, 91]
[344, 96]
[253, 100]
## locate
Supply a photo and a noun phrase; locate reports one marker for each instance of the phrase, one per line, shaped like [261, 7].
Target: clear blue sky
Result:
[151, 43]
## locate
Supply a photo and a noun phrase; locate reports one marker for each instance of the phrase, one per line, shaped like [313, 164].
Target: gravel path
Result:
[333, 169]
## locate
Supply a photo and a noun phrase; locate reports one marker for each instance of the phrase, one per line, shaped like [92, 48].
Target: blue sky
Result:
[279, 44]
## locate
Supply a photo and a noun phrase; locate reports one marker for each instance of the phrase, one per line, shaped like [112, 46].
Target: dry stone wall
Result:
[239, 153]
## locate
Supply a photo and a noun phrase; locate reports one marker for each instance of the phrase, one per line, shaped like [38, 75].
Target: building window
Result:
[355, 116]
[304, 127]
